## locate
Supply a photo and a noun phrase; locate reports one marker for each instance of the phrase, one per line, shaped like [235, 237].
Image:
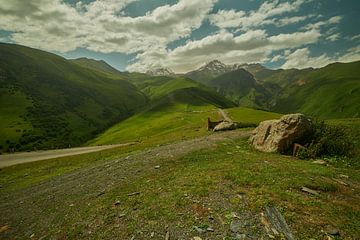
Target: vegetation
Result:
[201, 188]
[329, 92]
[334, 141]
[58, 103]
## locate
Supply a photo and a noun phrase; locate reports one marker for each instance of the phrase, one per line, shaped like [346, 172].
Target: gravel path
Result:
[225, 115]
[7, 160]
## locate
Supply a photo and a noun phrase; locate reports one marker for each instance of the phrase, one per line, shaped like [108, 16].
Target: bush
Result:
[329, 141]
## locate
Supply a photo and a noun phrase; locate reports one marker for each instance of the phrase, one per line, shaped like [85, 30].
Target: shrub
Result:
[329, 141]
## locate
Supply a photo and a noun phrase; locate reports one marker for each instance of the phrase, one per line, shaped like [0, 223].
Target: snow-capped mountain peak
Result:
[160, 72]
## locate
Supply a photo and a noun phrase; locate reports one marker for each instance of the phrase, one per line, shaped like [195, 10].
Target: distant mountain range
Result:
[47, 101]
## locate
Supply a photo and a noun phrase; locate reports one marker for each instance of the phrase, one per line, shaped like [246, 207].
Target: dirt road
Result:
[24, 157]
[225, 115]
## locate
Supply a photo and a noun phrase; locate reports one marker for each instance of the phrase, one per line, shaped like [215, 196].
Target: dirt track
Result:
[7, 160]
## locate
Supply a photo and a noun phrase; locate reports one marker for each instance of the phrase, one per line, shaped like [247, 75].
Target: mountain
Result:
[98, 65]
[241, 87]
[160, 72]
[208, 71]
[329, 92]
[49, 102]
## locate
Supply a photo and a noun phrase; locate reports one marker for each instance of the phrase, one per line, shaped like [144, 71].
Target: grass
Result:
[329, 92]
[201, 189]
[174, 122]
[249, 115]
[13, 106]
[63, 96]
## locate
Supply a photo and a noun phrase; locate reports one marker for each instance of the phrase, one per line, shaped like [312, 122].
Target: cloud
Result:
[353, 54]
[300, 58]
[252, 46]
[100, 25]
[262, 16]
[334, 37]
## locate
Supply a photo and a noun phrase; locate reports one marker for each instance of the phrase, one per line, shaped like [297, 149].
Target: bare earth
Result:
[7, 160]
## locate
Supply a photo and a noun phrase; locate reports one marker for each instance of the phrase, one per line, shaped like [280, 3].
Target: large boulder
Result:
[280, 135]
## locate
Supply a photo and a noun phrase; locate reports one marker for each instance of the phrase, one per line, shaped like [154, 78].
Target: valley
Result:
[128, 155]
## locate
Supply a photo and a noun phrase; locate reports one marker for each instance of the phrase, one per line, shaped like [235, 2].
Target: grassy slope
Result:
[249, 115]
[329, 92]
[66, 103]
[201, 188]
[98, 65]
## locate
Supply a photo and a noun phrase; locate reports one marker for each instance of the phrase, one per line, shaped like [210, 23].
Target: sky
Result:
[137, 35]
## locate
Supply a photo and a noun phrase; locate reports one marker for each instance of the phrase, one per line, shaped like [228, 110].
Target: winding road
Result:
[7, 160]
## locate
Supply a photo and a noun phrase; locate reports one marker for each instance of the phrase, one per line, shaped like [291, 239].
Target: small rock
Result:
[117, 203]
[157, 167]
[240, 236]
[197, 238]
[308, 190]
[340, 181]
[229, 153]
[210, 229]
[235, 226]
[199, 230]
[133, 194]
[122, 215]
[167, 236]
[320, 162]
[71, 205]
[332, 231]
[152, 234]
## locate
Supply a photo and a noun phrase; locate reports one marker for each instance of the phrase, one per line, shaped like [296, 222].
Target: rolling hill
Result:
[49, 102]
[329, 92]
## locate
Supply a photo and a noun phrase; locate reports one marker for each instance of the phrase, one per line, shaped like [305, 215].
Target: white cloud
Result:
[353, 54]
[333, 37]
[301, 59]
[252, 46]
[259, 17]
[99, 26]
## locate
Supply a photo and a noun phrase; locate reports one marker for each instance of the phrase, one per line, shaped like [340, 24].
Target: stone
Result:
[240, 236]
[308, 190]
[223, 126]
[199, 230]
[331, 230]
[320, 162]
[280, 135]
[157, 167]
[235, 225]
[167, 236]
[278, 223]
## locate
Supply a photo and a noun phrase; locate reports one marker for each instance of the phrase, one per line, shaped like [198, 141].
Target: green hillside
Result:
[329, 92]
[49, 102]
[241, 87]
[178, 114]
[98, 65]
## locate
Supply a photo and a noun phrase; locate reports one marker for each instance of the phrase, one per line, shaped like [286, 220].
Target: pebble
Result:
[235, 226]
[199, 230]
[331, 230]
[157, 167]
[320, 162]
[308, 190]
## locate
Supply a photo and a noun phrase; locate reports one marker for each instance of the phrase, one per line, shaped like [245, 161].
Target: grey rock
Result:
[280, 135]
